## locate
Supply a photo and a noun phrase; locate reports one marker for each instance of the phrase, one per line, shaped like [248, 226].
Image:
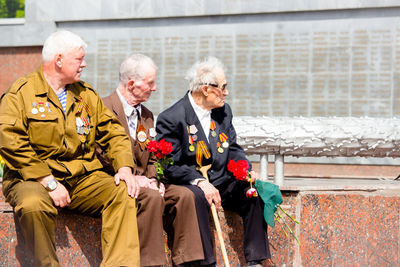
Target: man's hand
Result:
[150, 183]
[143, 181]
[125, 174]
[211, 193]
[154, 186]
[60, 195]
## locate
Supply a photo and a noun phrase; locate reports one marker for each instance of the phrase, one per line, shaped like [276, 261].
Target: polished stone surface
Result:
[356, 227]
[350, 229]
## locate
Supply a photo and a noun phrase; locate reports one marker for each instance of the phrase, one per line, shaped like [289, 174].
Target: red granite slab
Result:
[336, 229]
[349, 229]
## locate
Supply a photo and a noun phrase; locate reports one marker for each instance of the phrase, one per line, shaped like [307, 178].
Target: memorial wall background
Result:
[292, 58]
[346, 67]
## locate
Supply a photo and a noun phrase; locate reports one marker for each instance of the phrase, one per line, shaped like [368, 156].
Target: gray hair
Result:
[61, 42]
[203, 72]
[133, 67]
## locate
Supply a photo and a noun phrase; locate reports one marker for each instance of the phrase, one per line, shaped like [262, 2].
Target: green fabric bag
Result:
[272, 197]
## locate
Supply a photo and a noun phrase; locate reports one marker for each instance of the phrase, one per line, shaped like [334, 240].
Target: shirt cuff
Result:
[196, 181]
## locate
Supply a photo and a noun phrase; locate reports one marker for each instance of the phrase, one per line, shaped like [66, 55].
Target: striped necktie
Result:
[132, 122]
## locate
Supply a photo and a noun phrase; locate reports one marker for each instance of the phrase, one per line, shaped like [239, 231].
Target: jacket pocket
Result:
[44, 132]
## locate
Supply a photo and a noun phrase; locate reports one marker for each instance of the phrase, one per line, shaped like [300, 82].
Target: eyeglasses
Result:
[222, 88]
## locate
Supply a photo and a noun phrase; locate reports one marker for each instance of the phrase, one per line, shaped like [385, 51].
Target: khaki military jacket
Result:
[38, 139]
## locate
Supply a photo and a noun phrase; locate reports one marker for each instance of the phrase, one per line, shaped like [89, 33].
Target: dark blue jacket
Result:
[172, 125]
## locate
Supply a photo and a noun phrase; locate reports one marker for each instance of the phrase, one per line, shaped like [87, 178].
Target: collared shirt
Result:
[131, 114]
[203, 115]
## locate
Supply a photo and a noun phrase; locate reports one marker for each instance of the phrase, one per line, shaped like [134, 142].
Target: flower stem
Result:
[284, 211]
[291, 232]
[278, 218]
[279, 221]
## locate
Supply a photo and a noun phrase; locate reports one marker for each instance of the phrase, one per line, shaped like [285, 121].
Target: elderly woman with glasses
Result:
[199, 126]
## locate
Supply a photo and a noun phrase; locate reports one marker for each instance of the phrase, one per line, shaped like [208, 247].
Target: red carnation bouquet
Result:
[240, 169]
[160, 150]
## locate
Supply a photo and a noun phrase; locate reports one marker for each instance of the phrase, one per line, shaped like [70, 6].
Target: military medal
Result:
[191, 141]
[41, 107]
[85, 129]
[141, 136]
[82, 121]
[79, 124]
[202, 150]
[34, 109]
[152, 132]
[224, 140]
[48, 106]
[219, 148]
[212, 128]
[192, 129]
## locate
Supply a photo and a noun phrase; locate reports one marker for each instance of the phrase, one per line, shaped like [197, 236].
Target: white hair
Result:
[134, 67]
[61, 42]
[203, 72]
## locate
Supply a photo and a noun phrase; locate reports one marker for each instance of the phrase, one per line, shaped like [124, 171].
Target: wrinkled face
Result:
[72, 64]
[217, 92]
[141, 90]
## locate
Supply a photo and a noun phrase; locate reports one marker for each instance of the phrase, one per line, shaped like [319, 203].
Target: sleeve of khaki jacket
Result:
[111, 137]
[14, 141]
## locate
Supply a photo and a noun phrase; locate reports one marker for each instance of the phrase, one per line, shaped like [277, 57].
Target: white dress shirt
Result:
[203, 115]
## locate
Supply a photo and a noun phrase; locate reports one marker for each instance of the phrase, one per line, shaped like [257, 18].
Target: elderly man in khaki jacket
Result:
[49, 124]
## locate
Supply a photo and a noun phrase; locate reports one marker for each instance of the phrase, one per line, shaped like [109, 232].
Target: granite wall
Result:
[337, 228]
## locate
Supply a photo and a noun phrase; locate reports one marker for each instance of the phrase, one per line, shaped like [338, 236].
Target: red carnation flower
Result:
[240, 169]
[165, 147]
[152, 146]
[160, 150]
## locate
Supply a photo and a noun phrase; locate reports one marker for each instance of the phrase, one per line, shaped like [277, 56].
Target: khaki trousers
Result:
[178, 205]
[95, 194]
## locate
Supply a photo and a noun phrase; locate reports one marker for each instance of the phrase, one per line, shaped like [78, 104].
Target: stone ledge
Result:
[303, 184]
[337, 228]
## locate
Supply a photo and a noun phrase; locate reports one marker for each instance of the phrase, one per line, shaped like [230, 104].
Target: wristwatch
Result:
[51, 185]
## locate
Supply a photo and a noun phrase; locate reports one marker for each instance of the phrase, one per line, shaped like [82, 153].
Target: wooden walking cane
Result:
[203, 170]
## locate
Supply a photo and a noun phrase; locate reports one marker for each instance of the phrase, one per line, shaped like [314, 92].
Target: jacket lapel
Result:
[214, 139]
[119, 111]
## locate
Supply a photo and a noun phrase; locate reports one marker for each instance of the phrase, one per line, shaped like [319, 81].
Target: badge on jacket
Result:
[152, 132]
